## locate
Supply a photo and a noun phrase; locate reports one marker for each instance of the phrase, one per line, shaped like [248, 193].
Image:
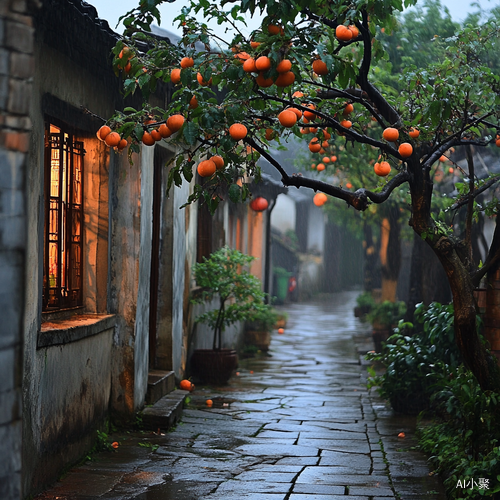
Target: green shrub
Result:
[463, 443]
[386, 314]
[416, 364]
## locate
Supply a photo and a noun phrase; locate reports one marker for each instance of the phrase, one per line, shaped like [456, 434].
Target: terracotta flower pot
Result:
[214, 366]
[259, 338]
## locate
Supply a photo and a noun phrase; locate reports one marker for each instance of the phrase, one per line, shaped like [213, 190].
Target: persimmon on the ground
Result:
[187, 62]
[348, 109]
[175, 122]
[287, 118]
[209, 402]
[238, 131]
[147, 139]
[206, 168]
[284, 66]
[390, 134]
[285, 79]
[405, 149]
[314, 145]
[263, 82]
[249, 65]
[320, 199]
[263, 63]
[343, 33]
[319, 67]
[186, 385]
[103, 132]
[320, 167]
[346, 123]
[164, 130]
[382, 169]
[281, 331]
[175, 76]
[112, 139]
[219, 161]
[414, 133]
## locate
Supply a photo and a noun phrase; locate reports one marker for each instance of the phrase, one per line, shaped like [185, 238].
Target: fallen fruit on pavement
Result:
[115, 445]
[186, 385]
[209, 402]
[281, 331]
[401, 435]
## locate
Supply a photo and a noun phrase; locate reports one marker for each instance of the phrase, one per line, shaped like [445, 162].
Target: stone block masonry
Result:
[16, 72]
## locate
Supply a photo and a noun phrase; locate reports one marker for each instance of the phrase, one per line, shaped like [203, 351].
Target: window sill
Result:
[64, 331]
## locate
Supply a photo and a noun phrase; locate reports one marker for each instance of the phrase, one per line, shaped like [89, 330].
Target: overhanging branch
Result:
[359, 199]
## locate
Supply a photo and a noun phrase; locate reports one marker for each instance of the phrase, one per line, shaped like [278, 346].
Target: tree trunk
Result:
[482, 364]
[390, 253]
[417, 264]
[371, 276]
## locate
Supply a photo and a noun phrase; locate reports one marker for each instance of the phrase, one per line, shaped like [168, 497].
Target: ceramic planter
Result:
[214, 366]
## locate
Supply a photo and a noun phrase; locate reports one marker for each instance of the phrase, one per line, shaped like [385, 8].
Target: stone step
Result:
[166, 412]
[160, 383]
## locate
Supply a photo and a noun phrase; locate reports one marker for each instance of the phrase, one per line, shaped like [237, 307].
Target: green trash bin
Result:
[282, 277]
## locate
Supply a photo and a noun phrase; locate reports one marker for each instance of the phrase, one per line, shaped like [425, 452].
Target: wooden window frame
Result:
[63, 223]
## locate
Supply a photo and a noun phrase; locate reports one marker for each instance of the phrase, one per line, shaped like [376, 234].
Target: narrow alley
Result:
[296, 425]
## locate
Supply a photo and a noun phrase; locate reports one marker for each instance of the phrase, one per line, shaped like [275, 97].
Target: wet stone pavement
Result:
[296, 425]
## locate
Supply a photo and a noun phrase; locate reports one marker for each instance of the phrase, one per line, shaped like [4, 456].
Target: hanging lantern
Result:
[259, 204]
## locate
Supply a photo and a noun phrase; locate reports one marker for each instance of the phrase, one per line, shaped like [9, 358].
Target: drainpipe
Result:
[267, 271]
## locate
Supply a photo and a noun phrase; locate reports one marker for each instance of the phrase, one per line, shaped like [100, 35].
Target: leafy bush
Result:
[464, 442]
[414, 365]
[386, 314]
[365, 300]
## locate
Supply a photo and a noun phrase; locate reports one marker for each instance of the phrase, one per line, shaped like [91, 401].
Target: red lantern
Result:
[259, 204]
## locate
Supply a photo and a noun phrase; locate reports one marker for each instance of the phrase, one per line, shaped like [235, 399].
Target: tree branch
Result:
[359, 199]
[491, 260]
[476, 193]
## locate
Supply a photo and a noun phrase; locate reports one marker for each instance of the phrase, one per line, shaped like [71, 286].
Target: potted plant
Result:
[258, 329]
[384, 317]
[224, 277]
[365, 303]
[282, 319]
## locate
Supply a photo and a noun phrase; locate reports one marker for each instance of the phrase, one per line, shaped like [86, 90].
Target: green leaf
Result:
[234, 193]
[190, 132]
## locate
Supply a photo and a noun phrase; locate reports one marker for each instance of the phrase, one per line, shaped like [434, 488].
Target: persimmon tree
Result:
[311, 59]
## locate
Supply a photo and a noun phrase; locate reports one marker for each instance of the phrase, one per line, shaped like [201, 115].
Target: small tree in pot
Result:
[224, 276]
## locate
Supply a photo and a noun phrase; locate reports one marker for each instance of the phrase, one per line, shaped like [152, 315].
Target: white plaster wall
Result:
[283, 215]
[316, 230]
[180, 243]
[141, 351]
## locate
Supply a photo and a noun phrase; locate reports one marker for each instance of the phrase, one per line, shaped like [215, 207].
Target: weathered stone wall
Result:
[16, 70]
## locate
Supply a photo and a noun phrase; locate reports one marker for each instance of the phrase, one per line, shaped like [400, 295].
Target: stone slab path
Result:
[297, 425]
